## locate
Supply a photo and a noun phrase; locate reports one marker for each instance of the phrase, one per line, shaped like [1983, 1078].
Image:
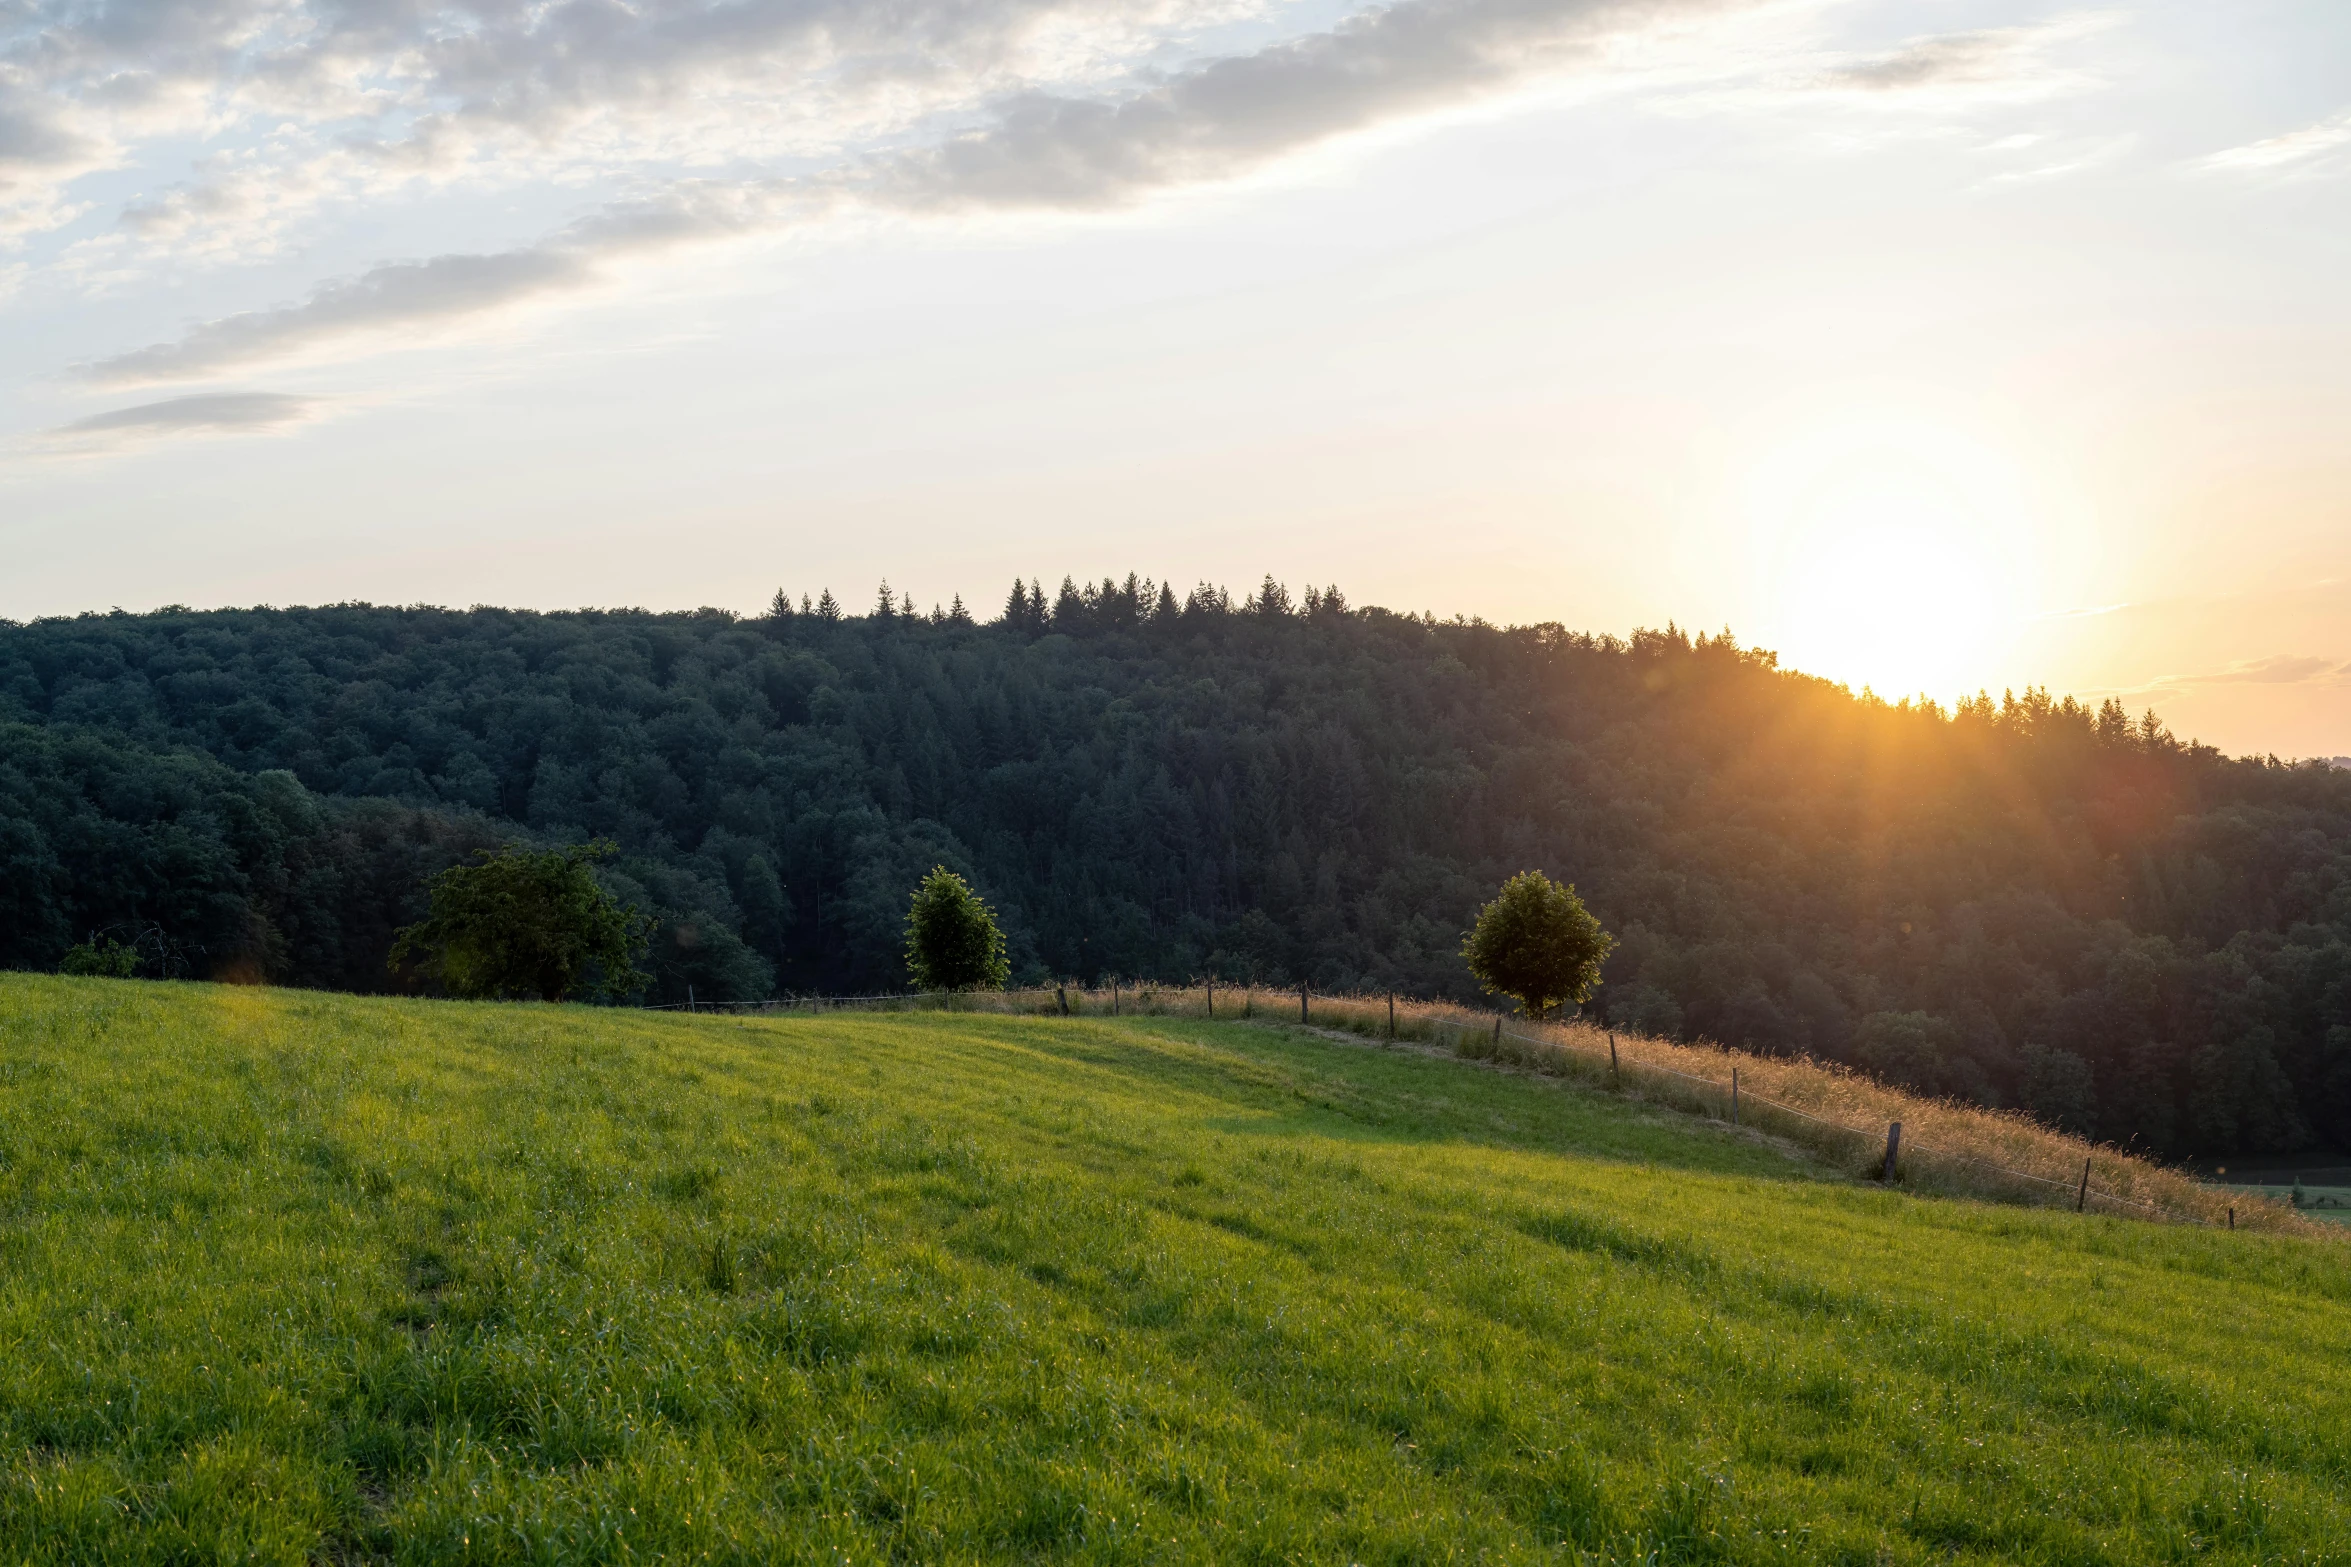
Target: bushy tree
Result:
[952, 942]
[1537, 943]
[101, 956]
[528, 922]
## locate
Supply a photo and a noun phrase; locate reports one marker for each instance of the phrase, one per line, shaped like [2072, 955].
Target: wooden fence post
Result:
[1391, 1014]
[1114, 998]
[2232, 1216]
[1613, 1080]
[1301, 1003]
[1061, 993]
[1212, 997]
[1893, 1148]
[1734, 1096]
[2082, 1198]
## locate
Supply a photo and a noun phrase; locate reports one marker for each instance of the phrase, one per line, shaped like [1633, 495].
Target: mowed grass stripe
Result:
[290, 1277]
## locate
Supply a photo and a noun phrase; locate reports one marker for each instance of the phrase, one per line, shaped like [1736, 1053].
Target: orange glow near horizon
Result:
[1892, 557]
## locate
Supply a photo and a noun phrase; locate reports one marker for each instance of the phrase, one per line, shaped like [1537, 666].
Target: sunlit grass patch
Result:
[290, 1277]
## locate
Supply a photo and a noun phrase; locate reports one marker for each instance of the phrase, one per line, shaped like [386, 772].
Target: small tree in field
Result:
[1537, 943]
[952, 942]
[528, 922]
[102, 956]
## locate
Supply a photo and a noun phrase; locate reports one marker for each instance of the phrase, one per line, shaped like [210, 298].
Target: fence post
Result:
[1114, 998]
[2232, 1216]
[2082, 1197]
[1061, 994]
[1301, 1003]
[1212, 997]
[1391, 1014]
[1613, 1080]
[1497, 1030]
[1893, 1148]
[1734, 1096]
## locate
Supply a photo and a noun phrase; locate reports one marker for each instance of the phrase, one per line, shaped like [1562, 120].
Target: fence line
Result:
[1467, 1037]
[1750, 1097]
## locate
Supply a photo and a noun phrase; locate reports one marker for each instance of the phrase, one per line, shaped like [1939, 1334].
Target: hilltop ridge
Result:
[2022, 902]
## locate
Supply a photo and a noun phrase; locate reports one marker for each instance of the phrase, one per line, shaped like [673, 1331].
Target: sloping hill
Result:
[2022, 902]
[290, 1276]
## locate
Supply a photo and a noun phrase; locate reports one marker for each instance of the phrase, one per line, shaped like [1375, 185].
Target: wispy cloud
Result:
[2294, 150]
[1037, 151]
[2278, 669]
[1932, 62]
[416, 295]
[208, 413]
[2005, 61]
[1228, 116]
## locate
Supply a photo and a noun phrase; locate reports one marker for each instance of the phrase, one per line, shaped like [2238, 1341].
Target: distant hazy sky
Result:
[1939, 345]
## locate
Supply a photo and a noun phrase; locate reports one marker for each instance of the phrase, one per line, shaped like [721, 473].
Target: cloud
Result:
[209, 413]
[1210, 122]
[315, 101]
[2006, 60]
[416, 295]
[31, 138]
[2301, 148]
[2276, 670]
[1931, 62]
[1230, 115]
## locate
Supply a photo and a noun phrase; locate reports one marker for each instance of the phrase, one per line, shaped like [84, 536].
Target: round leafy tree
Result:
[952, 942]
[528, 922]
[102, 956]
[1537, 943]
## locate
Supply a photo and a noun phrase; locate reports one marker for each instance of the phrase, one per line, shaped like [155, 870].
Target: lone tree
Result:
[528, 922]
[952, 942]
[1537, 943]
[101, 956]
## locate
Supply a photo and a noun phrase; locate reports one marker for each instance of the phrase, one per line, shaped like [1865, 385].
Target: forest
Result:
[2020, 901]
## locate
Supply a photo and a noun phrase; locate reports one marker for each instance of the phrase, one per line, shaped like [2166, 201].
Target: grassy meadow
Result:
[297, 1277]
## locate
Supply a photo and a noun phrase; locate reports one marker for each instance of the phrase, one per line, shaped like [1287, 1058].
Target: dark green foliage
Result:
[527, 922]
[1279, 789]
[952, 940]
[1537, 943]
[101, 957]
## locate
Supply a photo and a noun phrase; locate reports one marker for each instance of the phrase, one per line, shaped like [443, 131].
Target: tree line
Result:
[2021, 900]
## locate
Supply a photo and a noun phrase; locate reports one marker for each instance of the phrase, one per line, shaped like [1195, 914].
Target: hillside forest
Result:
[2020, 901]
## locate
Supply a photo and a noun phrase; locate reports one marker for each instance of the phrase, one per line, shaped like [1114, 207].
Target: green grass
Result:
[295, 1277]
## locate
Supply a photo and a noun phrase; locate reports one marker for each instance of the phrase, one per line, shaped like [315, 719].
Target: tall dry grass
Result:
[1835, 1114]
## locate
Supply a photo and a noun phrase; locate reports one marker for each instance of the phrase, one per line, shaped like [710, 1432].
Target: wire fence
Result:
[1897, 1149]
[1886, 1150]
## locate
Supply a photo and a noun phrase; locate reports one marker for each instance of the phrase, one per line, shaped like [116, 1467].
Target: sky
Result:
[1941, 346]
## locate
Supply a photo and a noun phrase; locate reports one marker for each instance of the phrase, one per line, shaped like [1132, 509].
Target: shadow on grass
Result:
[1275, 1082]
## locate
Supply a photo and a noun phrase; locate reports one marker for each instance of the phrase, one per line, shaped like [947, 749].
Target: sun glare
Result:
[1891, 557]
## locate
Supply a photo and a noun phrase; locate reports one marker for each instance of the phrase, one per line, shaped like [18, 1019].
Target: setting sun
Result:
[1890, 557]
